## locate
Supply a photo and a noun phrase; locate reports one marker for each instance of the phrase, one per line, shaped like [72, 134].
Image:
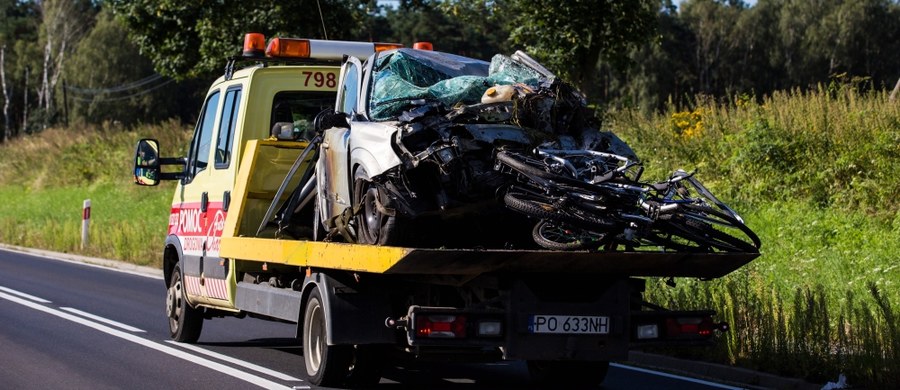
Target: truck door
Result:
[205, 196]
[221, 182]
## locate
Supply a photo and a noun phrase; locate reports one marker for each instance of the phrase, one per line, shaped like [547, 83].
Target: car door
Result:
[333, 172]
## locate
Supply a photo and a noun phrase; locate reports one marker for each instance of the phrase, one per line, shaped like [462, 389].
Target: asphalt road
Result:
[74, 326]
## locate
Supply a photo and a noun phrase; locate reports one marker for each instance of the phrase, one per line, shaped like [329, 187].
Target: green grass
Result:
[815, 175]
[125, 224]
[45, 179]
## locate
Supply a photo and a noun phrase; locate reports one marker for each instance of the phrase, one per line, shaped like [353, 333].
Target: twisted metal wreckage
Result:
[448, 117]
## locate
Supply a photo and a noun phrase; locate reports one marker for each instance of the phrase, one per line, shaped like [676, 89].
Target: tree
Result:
[473, 34]
[108, 79]
[656, 70]
[189, 39]
[64, 22]
[19, 22]
[571, 37]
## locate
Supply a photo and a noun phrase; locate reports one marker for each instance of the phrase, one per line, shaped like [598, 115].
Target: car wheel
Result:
[185, 322]
[373, 226]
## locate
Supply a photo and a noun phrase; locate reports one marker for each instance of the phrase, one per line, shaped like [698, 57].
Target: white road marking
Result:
[678, 377]
[229, 359]
[103, 320]
[109, 265]
[23, 295]
[250, 378]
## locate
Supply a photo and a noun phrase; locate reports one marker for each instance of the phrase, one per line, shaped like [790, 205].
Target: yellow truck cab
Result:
[278, 98]
[243, 239]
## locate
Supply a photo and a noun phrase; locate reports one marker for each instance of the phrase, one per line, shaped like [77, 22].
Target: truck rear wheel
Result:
[326, 365]
[185, 322]
[575, 374]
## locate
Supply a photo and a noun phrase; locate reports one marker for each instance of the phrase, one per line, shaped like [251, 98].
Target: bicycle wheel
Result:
[711, 228]
[557, 236]
[546, 207]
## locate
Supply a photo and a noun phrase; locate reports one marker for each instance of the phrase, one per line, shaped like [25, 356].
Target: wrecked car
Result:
[414, 139]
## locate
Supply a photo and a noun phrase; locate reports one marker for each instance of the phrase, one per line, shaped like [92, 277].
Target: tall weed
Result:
[814, 174]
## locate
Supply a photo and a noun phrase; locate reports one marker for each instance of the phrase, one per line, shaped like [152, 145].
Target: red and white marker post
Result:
[85, 222]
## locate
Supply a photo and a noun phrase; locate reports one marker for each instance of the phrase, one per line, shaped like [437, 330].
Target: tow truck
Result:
[250, 234]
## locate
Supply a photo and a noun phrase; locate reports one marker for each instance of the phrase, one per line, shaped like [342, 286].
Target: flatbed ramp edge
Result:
[398, 260]
[266, 163]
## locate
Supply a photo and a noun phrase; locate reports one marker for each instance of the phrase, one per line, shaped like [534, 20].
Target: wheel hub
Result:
[170, 302]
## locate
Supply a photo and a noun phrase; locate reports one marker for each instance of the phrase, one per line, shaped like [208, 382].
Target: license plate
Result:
[568, 324]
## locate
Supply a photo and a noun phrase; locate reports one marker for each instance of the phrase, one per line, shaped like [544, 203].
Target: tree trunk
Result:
[5, 134]
[895, 91]
[25, 104]
[44, 91]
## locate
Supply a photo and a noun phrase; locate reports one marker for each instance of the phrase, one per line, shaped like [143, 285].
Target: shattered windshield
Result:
[406, 75]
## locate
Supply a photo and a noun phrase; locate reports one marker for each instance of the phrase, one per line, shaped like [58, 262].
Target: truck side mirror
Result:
[328, 118]
[146, 163]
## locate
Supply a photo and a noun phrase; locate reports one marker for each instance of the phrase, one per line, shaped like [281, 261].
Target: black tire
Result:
[326, 365]
[373, 226]
[573, 374]
[713, 228]
[185, 322]
[540, 206]
[556, 236]
[531, 205]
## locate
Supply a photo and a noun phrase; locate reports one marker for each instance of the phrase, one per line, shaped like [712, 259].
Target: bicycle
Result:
[586, 200]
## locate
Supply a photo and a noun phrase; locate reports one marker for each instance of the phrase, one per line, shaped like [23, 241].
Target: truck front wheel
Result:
[185, 322]
[326, 365]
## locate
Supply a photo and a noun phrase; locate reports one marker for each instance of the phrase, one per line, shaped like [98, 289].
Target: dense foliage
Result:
[153, 58]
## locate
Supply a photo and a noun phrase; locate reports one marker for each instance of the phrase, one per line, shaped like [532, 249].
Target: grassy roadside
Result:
[51, 219]
[814, 174]
[45, 178]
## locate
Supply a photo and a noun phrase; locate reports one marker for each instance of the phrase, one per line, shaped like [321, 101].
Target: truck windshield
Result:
[299, 108]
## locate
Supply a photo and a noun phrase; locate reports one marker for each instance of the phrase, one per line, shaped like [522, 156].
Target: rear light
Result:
[691, 326]
[676, 326]
[288, 48]
[254, 45]
[441, 326]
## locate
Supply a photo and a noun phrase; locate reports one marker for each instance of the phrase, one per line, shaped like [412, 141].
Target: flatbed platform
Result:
[270, 159]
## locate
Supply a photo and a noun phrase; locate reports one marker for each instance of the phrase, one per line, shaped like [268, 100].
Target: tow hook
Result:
[399, 323]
